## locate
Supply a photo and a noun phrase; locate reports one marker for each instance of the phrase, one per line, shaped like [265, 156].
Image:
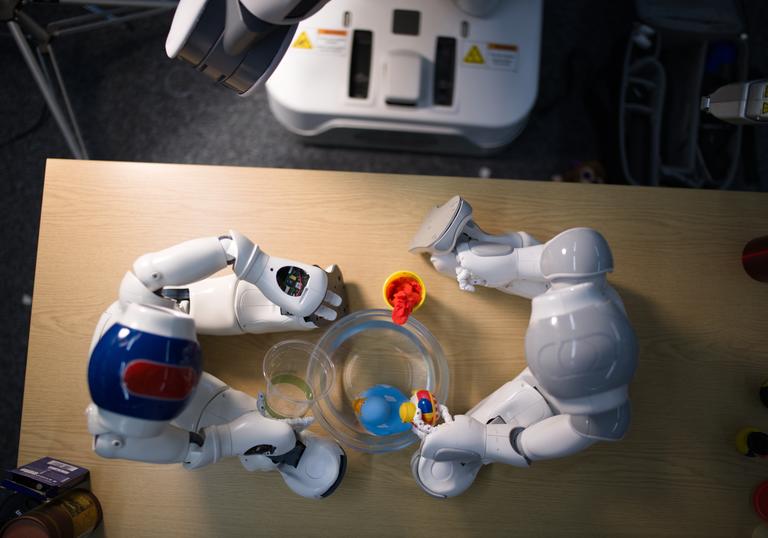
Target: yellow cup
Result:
[404, 274]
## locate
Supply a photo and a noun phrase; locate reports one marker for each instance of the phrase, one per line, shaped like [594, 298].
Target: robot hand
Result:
[299, 424]
[311, 466]
[460, 249]
[466, 439]
[451, 456]
[265, 293]
[249, 434]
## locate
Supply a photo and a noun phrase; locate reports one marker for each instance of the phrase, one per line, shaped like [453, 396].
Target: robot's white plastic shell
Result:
[217, 421]
[580, 349]
[490, 105]
[180, 264]
[277, 11]
[185, 19]
[159, 320]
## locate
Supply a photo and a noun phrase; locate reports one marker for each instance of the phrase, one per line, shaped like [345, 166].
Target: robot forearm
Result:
[554, 437]
[248, 435]
[498, 265]
[467, 439]
[288, 287]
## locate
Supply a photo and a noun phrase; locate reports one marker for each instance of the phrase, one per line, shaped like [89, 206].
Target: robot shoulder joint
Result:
[575, 253]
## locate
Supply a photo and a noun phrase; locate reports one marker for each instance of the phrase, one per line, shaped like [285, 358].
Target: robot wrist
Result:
[514, 436]
[500, 446]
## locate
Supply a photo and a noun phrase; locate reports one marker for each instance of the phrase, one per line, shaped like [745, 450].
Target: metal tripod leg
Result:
[65, 120]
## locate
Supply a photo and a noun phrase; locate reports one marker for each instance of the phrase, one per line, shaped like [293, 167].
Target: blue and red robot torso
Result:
[143, 375]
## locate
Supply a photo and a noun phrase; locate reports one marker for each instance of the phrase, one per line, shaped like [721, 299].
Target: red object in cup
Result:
[404, 292]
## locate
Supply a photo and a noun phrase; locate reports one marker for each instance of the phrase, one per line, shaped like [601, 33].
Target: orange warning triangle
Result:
[302, 42]
[474, 56]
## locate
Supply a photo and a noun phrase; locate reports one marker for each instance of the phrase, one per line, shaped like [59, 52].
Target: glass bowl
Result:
[368, 349]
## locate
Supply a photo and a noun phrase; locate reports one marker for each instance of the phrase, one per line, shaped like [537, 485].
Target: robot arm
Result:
[741, 103]
[237, 43]
[580, 349]
[151, 400]
[459, 248]
[264, 294]
[553, 437]
[514, 262]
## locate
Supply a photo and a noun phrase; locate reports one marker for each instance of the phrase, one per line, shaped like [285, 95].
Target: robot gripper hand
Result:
[452, 454]
[311, 466]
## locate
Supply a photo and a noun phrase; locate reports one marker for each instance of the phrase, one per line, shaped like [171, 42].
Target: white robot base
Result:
[450, 77]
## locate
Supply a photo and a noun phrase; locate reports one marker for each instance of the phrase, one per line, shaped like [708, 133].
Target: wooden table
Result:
[701, 322]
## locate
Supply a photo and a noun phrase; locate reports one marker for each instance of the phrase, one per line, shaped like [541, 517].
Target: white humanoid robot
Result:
[151, 400]
[580, 348]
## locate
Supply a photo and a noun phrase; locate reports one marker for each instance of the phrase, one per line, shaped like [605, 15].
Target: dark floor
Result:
[135, 104]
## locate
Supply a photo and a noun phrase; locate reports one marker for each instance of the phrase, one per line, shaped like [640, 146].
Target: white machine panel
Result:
[421, 75]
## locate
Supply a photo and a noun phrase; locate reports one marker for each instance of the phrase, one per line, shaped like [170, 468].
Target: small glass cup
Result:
[298, 374]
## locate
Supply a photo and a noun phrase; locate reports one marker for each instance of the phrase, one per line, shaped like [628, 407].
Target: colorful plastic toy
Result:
[377, 409]
[423, 412]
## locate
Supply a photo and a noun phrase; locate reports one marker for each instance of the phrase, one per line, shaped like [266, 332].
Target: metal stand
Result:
[42, 61]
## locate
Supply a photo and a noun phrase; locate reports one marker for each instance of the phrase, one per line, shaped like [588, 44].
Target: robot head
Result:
[146, 365]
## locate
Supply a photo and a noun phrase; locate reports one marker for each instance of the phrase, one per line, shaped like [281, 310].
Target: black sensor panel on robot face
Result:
[258, 45]
[292, 280]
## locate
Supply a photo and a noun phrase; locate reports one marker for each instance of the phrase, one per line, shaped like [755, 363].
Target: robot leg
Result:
[451, 456]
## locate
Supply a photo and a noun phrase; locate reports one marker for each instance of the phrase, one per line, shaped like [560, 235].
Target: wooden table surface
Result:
[700, 321]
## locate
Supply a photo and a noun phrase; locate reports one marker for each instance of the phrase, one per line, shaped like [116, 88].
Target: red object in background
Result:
[754, 258]
[404, 294]
[760, 500]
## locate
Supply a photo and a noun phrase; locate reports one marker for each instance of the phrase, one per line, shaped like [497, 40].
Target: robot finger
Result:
[464, 278]
[325, 313]
[332, 298]
[299, 424]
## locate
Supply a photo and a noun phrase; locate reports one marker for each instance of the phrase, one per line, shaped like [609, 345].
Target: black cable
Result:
[41, 119]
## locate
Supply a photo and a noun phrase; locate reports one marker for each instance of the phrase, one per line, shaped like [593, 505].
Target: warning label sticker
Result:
[326, 40]
[491, 55]
[474, 56]
[302, 42]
